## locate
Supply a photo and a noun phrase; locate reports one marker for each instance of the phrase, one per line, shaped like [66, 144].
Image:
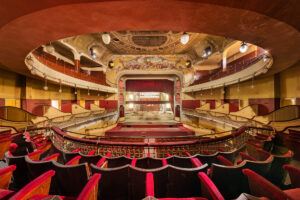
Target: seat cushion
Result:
[5, 194]
[293, 193]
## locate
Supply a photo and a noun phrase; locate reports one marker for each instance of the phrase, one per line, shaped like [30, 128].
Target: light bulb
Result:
[184, 39]
[243, 47]
[106, 38]
[33, 71]
[45, 87]
[60, 90]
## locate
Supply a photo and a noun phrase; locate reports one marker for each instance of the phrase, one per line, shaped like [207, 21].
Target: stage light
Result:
[243, 47]
[188, 64]
[131, 96]
[207, 52]
[111, 64]
[33, 71]
[45, 86]
[131, 105]
[93, 53]
[184, 39]
[168, 105]
[106, 38]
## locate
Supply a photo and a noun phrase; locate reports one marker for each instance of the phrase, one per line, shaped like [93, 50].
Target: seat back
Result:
[138, 181]
[5, 176]
[260, 167]
[277, 174]
[209, 159]
[229, 180]
[116, 178]
[259, 186]
[67, 156]
[142, 162]
[294, 174]
[208, 188]
[118, 161]
[183, 162]
[70, 180]
[40, 186]
[4, 146]
[89, 159]
[155, 163]
[20, 175]
[184, 182]
[90, 190]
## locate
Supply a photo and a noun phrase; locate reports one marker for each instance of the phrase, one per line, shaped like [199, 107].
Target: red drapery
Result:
[150, 86]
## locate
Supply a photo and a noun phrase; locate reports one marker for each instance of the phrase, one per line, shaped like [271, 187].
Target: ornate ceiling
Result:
[136, 43]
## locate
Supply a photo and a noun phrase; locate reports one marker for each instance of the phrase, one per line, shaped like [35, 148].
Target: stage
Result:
[148, 130]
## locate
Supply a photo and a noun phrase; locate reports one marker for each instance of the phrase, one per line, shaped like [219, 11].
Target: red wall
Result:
[233, 104]
[88, 104]
[35, 106]
[212, 103]
[266, 105]
[108, 104]
[66, 105]
[190, 104]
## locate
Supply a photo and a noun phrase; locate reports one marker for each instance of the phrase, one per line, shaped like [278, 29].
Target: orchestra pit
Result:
[150, 100]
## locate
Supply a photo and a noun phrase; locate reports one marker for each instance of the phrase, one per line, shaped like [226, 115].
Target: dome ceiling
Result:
[147, 43]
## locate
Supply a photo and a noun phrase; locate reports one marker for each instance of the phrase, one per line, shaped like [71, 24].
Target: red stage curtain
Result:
[150, 86]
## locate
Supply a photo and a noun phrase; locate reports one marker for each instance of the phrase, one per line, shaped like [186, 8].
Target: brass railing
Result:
[196, 144]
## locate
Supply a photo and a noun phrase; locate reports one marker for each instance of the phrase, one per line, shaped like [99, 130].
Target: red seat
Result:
[294, 175]
[261, 187]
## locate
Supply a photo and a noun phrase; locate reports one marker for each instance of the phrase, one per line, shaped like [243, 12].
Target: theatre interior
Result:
[150, 100]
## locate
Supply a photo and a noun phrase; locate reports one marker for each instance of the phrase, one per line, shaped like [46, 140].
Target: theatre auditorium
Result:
[150, 99]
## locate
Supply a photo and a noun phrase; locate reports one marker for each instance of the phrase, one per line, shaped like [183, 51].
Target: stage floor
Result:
[149, 130]
[150, 117]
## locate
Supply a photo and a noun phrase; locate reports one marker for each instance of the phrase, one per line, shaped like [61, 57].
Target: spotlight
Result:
[93, 53]
[266, 57]
[111, 64]
[184, 39]
[252, 84]
[243, 47]
[33, 71]
[188, 64]
[131, 97]
[106, 38]
[45, 86]
[207, 52]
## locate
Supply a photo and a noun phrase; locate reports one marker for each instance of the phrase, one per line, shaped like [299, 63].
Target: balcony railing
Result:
[234, 67]
[69, 69]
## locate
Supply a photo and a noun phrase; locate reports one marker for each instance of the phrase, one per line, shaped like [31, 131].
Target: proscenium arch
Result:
[22, 31]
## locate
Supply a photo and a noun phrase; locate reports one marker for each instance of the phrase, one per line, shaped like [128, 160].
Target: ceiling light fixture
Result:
[60, 90]
[75, 92]
[184, 39]
[88, 91]
[45, 86]
[207, 52]
[106, 38]
[93, 53]
[33, 71]
[252, 84]
[243, 47]
[238, 86]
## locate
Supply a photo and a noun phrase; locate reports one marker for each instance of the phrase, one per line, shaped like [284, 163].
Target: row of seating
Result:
[160, 180]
